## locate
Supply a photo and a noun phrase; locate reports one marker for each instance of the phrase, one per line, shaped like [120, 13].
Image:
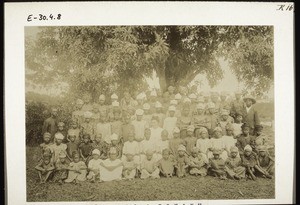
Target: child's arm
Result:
[39, 167]
[81, 155]
[51, 168]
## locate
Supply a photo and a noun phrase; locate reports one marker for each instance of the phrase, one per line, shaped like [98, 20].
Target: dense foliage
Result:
[111, 58]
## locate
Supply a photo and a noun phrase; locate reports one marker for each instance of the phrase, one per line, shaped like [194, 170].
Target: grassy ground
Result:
[189, 188]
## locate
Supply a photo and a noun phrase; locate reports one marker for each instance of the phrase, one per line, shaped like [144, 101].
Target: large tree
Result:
[110, 58]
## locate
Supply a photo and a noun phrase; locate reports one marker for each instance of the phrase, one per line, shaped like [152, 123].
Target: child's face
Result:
[129, 157]
[114, 142]
[117, 116]
[218, 134]
[96, 156]
[139, 117]
[98, 138]
[72, 138]
[154, 123]
[212, 110]
[239, 118]
[62, 159]
[233, 154]
[86, 140]
[131, 137]
[47, 160]
[158, 109]
[149, 156]
[74, 125]
[262, 153]
[60, 128]
[86, 99]
[146, 111]
[183, 134]
[247, 152]
[194, 154]
[181, 153]
[101, 101]
[246, 130]
[204, 135]
[76, 158]
[223, 98]
[113, 156]
[185, 112]
[103, 118]
[216, 156]
[87, 119]
[176, 135]
[47, 139]
[229, 132]
[164, 135]
[95, 110]
[165, 155]
[190, 133]
[58, 141]
[258, 132]
[224, 117]
[200, 111]
[172, 113]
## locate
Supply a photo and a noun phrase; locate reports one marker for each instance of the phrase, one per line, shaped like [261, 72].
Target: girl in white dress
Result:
[217, 143]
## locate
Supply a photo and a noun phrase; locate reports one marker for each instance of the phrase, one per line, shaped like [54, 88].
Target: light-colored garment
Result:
[203, 145]
[220, 145]
[149, 168]
[147, 145]
[105, 130]
[129, 169]
[56, 149]
[72, 175]
[161, 145]
[139, 128]
[94, 167]
[107, 175]
[156, 133]
[169, 125]
[147, 118]
[237, 128]
[167, 166]
[132, 147]
[229, 142]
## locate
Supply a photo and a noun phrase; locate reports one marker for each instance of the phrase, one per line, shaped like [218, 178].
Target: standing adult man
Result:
[50, 124]
[250, 113]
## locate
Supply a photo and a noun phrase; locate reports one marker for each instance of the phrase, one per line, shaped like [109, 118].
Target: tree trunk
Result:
[162, 79]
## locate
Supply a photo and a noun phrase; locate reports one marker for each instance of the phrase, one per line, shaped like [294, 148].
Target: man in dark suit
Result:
[250, 114]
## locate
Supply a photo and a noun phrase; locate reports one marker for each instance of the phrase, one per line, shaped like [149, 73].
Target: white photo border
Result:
[150, 13]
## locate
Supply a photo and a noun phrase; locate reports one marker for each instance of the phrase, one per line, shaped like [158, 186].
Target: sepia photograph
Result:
[149, 113]
[149, 103]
